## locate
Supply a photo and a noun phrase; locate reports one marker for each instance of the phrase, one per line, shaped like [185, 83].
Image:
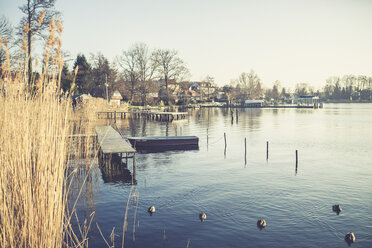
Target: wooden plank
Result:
[111, 141]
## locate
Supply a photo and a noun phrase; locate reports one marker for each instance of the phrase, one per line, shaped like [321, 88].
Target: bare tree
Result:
[303, 89]
[146, 67]
[170, 66]
[250, 85]
[37, 16]
[208, 82]
[128, 61]
[6, 28]
[146, 63]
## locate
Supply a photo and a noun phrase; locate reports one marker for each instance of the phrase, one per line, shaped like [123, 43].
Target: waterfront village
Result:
[203, 94]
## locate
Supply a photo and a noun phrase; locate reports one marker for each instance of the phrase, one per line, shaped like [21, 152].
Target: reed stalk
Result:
[36, 152]
[33, 138]
[43, 154]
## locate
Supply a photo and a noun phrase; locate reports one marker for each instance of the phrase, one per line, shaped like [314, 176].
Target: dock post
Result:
[267, 150]
[108, 117]
[134, 168]
[115, 116]
[126, 159]
[207, 137]
[245, 150]
[296, 158]
[224, 153]
[296, 162]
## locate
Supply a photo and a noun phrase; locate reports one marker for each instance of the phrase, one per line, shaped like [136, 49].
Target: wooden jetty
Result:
[113, 147]
[159, 116]
[164, 141]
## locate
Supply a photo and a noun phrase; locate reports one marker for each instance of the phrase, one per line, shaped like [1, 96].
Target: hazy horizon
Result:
[289, 41]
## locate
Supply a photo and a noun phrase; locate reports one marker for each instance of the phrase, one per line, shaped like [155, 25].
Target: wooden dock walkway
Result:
[111, 141]
[112, 148]
[159, 116]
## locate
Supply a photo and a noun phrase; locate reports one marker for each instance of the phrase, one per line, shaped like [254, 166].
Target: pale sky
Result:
[286, 40]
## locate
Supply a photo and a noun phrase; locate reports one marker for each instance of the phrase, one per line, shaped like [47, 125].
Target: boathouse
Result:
[253, 103]
[115, 98]
[308, 101]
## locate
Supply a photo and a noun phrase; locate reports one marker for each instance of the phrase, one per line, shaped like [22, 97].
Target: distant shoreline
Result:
[345, 101]
[266, 106]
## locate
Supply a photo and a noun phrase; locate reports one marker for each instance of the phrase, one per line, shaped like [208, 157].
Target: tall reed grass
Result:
[34, 138]
[36, 148]
[44, 150]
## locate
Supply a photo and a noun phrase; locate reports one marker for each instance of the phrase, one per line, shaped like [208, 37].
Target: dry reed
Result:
[36, 150]
[43, 146]
[33, 138]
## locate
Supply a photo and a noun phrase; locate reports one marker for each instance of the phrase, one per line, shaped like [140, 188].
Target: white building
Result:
[253, 103]
[115, 98]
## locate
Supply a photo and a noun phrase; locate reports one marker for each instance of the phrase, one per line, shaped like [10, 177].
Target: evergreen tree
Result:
[66, 79]
[83, 80]
[100, 72]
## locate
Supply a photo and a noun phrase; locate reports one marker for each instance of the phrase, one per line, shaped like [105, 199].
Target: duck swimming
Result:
[350, 237]
[261, 223]
[151, 209]
[336, 208]
[202, 216]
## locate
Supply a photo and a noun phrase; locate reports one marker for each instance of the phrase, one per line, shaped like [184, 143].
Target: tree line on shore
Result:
[137, 72]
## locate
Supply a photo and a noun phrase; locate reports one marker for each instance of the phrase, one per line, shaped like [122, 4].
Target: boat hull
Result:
[164, 141]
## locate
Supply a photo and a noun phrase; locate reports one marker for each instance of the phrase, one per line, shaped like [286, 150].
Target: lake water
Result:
[335, 167]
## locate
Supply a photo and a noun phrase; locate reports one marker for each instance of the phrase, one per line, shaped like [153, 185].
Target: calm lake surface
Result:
[335, 167]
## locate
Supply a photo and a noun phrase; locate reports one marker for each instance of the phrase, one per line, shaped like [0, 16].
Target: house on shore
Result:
[115, 98]
[253, 103]
[308, 101]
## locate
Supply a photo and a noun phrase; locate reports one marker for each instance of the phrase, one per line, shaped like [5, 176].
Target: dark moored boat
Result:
[164, 141]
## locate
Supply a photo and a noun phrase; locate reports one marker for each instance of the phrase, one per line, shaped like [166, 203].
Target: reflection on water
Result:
[117, 174]
[162, 149]
[116, 171]
[236, 186]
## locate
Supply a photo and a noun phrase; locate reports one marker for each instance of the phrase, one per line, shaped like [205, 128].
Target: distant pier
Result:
[266, 106]
[159, 116]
